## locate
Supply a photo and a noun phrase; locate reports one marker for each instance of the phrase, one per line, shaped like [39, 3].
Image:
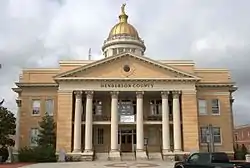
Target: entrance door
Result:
[126, 139]
[126, 142]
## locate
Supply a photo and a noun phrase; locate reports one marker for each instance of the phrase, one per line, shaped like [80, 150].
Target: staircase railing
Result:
[134, 151]
[108, 152]
[146, 146]
[94, 154]
[161, 152]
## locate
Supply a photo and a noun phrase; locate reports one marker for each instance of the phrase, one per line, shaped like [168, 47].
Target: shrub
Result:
[27, 154]
[4, 153]
[37, 154]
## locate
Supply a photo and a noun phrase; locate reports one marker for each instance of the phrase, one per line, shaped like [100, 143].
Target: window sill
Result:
[215, 144]
[35, 115]
[215, 114]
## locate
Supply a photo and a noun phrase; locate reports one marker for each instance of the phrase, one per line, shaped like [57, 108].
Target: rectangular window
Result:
[49, 107]
[115, 51]
[204, 133]
[34, 136]
[36, 107]
[155, 107]
[202, 107]
[97, 107]
[100, 133]
[215, 106]
[217, 134]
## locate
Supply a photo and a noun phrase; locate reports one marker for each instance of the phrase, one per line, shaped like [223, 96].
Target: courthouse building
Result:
[127, 102]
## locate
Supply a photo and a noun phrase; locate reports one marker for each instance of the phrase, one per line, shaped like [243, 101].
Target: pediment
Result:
[126, 66]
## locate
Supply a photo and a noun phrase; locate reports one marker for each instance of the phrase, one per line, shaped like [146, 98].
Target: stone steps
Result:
[155, 156]
[128, 156]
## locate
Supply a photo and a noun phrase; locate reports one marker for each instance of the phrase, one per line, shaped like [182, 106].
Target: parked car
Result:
[210, 160]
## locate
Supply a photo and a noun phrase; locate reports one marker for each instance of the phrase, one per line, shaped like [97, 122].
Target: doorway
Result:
[127, 139]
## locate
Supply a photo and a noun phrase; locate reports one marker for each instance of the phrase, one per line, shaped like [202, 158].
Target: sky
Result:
[39, 33]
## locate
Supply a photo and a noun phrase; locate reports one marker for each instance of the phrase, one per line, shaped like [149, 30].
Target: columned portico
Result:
[177, 121]
[88, 122]
[77, 122]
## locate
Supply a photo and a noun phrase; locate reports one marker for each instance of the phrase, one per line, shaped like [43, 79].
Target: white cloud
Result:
[39, 33]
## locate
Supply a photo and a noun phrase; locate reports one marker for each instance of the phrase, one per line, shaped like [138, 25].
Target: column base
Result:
[166, 151]
[177, 150]
[114, 155]
[141, 155]
[88, 155]
[77, 151]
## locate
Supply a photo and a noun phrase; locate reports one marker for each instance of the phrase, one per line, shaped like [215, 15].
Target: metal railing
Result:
[157, 117]
[161, 152]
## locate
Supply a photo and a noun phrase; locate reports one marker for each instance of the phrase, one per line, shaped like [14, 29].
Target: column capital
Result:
[114, 94]
[164, 94]
[176, 94]
[78, 94]
[89, 94]
[139, 94]
[19, 102]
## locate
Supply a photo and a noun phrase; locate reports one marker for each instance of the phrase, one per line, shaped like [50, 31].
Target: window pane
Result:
[100, 133]
[202, 107]
[49, 106]
[217, 135]
[33, 136]
[215, 106]
[203, 134]
[36, 107]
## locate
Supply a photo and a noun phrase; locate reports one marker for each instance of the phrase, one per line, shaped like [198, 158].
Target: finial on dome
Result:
[123, 9]
[123, 17]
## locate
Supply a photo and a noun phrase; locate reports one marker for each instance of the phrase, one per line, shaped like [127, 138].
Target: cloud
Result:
[39, 33]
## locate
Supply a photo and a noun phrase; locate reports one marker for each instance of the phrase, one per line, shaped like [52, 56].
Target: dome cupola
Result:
[123, 37]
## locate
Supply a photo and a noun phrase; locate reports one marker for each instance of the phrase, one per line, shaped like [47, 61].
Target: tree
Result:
[7, 127]
[47, 132]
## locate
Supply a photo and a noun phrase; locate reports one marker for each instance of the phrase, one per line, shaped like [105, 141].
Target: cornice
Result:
[37, 84]
[125, 79]
[112, 58]
[17, 90]
[211, 84]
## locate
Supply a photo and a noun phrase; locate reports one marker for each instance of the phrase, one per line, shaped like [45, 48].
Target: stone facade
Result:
[127, 102]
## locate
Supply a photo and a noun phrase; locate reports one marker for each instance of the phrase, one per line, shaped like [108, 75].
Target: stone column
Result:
[88, 122]
[17, 136]
[140, 153]
[177, 121]
[139, 122]
[78, 122]
[165, 123]
[114, 122]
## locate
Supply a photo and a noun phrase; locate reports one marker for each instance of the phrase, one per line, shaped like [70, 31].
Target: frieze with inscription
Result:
[127, 85]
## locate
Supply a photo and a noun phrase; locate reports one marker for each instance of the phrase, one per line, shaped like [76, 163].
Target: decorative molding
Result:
[37, 84]
[191, 80]
[19, 102]
[78, 94]
[139, 94]
[114, 94]
[164, 94]
[176, 94]
[89, 94]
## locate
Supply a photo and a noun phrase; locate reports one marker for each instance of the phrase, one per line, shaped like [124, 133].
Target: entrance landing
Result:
[105, 164]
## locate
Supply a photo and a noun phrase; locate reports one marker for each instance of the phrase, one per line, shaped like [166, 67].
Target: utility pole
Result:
[89, 55]
[210, 138]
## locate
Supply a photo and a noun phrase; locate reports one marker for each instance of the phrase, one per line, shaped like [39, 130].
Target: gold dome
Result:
[123, 27]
